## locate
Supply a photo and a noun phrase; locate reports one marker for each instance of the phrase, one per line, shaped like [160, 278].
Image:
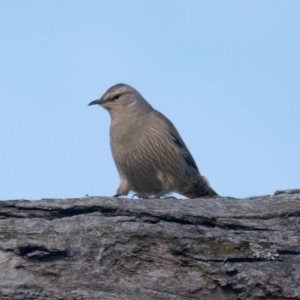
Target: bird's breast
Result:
[125, 132]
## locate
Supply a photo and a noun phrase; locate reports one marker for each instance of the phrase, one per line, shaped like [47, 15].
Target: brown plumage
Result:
[151, 157]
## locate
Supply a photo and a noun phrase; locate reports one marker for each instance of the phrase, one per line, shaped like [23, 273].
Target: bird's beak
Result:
[98, 101]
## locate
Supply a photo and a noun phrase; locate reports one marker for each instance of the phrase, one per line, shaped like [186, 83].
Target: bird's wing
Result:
[175, 136]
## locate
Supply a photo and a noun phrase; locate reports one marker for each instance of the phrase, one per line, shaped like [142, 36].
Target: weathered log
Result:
[108, 248]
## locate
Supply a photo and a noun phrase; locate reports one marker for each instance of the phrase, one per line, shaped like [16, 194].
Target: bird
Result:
[151, 158]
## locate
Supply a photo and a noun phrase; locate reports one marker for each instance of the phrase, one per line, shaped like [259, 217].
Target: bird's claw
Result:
[140, 196]
[154, 197]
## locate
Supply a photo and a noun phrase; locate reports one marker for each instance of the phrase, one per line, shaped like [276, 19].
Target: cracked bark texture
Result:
[108, 248]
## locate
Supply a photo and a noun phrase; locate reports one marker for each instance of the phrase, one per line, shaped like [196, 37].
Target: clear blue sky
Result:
[226, 73]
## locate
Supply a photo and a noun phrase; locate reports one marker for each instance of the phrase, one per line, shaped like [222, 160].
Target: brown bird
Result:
[151, 157]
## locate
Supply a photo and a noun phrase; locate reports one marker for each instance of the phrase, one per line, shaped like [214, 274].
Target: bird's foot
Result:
[169, 197]
[158, 196]
[161, 194]
[141, 196]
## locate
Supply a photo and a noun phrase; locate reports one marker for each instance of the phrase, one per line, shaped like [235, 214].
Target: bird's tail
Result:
[198, 189]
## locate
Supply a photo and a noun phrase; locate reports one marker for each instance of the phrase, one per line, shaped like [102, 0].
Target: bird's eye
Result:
[115, 97]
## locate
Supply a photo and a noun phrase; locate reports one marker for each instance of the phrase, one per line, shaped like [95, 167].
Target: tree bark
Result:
[109, 248]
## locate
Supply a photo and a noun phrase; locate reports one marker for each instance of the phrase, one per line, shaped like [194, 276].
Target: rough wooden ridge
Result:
[108, 248]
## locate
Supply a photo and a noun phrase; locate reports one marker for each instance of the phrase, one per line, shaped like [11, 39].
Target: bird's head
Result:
[119, 98]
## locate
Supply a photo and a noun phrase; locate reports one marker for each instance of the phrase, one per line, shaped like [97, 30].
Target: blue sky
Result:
[226, 73]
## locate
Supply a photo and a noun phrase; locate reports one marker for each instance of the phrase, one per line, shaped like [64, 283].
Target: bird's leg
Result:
[116, 195]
